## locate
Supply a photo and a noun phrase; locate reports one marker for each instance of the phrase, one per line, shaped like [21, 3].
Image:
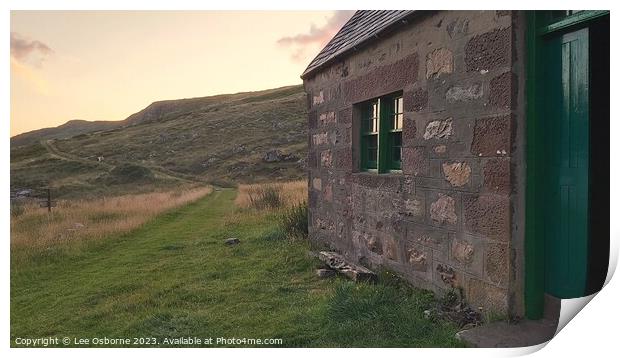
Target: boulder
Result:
[273, 155]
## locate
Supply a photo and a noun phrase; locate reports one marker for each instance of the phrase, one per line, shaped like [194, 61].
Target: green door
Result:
[566, 142]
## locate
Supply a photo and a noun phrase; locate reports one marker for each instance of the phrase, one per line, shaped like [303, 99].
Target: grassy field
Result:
[74, 223]
[174, 277]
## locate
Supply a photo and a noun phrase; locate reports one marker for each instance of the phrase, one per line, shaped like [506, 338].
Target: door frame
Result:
[534, 292]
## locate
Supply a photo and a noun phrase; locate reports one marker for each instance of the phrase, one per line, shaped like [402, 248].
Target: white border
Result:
[593, 328]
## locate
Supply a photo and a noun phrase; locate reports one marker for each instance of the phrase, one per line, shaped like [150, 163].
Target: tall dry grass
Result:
[289, 193]
[34, 230]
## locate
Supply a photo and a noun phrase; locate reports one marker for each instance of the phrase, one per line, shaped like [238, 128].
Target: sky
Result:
[106, 65]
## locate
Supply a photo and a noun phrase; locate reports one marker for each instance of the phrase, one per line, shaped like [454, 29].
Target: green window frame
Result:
[381, 133]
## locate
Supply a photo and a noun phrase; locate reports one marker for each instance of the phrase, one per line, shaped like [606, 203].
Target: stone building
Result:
[456, 148]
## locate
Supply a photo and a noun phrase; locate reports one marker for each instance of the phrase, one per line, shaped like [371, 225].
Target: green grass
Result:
[174, 277]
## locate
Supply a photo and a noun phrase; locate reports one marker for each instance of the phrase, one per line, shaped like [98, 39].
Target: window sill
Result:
[374, 172]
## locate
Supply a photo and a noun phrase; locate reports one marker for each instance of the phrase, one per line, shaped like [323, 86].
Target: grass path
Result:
[174, 278]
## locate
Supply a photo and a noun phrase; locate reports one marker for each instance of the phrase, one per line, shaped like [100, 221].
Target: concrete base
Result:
[521, 334]
[504, 335]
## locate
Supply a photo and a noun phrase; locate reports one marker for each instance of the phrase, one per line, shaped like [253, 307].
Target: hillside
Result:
[67, 130]
[241, 138]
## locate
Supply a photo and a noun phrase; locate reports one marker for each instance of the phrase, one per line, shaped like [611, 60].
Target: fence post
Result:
[49, 200]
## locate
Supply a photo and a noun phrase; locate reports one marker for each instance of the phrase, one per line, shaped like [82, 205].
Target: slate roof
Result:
[363, 26]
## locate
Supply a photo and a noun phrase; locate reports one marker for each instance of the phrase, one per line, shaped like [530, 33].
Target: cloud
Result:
[26, 51]
[316, 36]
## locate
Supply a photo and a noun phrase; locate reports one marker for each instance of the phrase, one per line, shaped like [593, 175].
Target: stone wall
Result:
[446, 220]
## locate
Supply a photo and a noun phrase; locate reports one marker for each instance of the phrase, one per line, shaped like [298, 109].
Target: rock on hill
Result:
[244, 137]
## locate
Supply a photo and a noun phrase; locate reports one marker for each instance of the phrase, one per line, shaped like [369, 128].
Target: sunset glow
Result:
[106, 65]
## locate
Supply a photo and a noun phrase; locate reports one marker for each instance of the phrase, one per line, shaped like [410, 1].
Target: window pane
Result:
[371, 147]
[396, 139]
[396, 113]
[370, 118]
[396, 154]
[396, 147]
[371, 142]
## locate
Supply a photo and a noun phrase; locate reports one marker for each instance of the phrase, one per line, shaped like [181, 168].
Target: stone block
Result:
[415, 161]
[418, 257]
[413, 208]
[442, 210]
[488, 215]
[345, 116]
[496, 263]
[457, 173]
[390, 249]
[342, 159]
[382, 79]
[502, 91]
[486, 297]
[408, 185]
[496, 175]
[428, 236]
[458, 27]
[316, 183]
[488, 51]
[328, 194]
[440, 129]
[416, 100]
[492, 137]
[318, 99]
[438, 62]
[342, 136]
[390, 183]
[463, 252]
[440, 149]
[409, 131]
[467, 254]
[319, 139]
[374, 244]
[327, 118]
[398, 226]
[464, 93]
[326, 158]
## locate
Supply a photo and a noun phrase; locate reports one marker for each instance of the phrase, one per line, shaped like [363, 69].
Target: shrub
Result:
[265, 197]
[129, 173]
[290, 193]
[294, 221]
